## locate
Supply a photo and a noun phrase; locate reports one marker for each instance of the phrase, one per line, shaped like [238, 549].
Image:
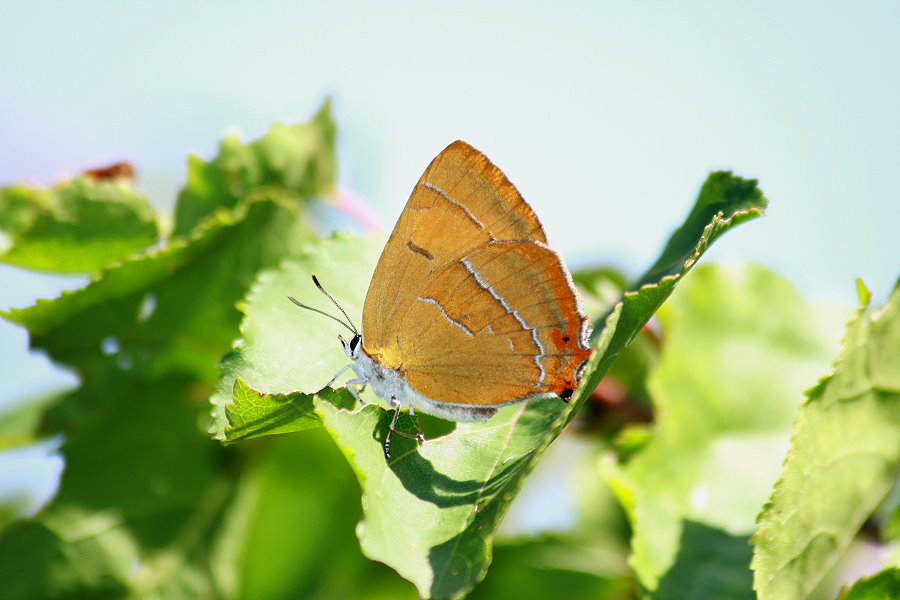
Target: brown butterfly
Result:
[469, 309]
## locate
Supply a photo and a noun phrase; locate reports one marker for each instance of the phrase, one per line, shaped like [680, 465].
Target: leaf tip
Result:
[862, 292]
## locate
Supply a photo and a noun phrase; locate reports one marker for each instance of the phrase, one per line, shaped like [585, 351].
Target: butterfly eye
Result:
[354, 343]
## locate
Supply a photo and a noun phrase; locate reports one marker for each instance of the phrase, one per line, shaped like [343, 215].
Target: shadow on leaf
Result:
[711, 563]
[254, 414]
[420, 478]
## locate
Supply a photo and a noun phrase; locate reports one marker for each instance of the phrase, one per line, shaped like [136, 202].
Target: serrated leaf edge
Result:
[865, 298]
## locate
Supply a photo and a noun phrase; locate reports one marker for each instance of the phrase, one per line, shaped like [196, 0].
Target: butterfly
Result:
[469, 309]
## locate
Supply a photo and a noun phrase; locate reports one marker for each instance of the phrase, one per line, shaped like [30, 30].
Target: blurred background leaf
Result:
[843, 461]
[694, 488]
[77, 226]
[145, 493]
[881, 586]
[296, 162]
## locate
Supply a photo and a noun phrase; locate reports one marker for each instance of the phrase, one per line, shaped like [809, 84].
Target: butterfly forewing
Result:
[461, 202]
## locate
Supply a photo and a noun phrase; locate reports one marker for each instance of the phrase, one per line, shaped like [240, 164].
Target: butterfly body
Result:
[391, 384]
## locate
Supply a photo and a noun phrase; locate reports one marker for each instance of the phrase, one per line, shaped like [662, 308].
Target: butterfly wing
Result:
[465, 201]
[467, 300]
[499, 324]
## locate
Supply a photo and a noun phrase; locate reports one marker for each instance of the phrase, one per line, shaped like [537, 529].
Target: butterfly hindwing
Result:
[497, 325]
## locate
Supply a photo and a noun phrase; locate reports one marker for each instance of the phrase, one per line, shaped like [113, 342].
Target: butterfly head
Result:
[351, 348]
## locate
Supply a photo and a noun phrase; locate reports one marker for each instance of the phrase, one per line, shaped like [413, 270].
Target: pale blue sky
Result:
[607, 116]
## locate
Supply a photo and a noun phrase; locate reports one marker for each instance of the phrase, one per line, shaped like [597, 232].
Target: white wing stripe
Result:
[534, 336]
[430, 300]
[446, 197]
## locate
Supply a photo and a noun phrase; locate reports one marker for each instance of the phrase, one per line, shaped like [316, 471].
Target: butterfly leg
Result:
[419, 436]
[395, 404]
[339, 373]
[351, 386]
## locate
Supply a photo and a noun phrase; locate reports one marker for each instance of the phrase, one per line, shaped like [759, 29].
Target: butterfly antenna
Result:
[301, 305]
[330, 297]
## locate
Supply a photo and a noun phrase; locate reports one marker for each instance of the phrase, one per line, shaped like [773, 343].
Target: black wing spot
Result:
[419, 250]
[566, 394]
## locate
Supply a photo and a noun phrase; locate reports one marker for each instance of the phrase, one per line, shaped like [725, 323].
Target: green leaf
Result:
[140, 490]
[36, 563]
[144, 491]
[286, 349]
[295, 161]
[297, 502]
[694, 488]
[20, 423]
[881, 586]
[844, 458]
[711, 563]
[253, 414]
[548, 568]
[724, 201]
[173, 309]
[729, 201]
[431, 511]
[890, 516]
[77, 226]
